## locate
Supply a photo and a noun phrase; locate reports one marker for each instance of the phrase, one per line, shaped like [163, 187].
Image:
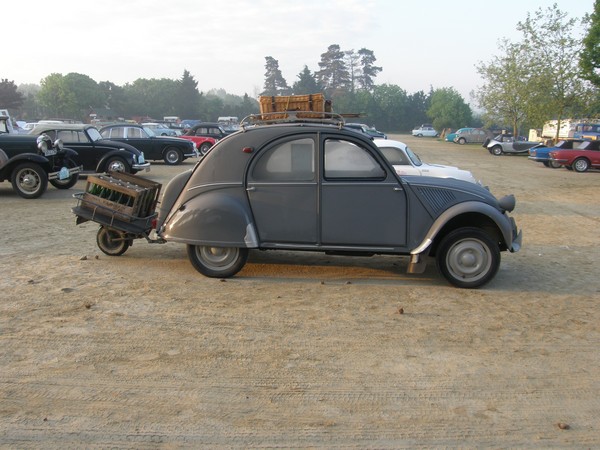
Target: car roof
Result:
[60, 126]
[389, 143]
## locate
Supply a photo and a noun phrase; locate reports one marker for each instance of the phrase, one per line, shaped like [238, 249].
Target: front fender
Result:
[214, 218]
[128, 157]
[505, 225]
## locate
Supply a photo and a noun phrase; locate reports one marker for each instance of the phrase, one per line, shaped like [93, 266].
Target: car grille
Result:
[438, 199]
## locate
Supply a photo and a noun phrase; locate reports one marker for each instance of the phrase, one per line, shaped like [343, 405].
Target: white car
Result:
[425, 131]
[406, 162]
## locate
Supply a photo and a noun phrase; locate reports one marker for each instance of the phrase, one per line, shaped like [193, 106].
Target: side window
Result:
[344, 159]
[117, 132]
[68, 136]
[134, 133]
[395, 156]
[289, 161]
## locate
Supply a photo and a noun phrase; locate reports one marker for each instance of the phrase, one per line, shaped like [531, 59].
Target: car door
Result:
[283, 192]
[139, 139]
[362, 202]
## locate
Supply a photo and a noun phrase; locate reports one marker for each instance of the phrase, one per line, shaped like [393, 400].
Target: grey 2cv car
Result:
[318, 187]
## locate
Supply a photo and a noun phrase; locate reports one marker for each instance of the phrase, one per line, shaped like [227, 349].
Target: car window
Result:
[395, 156]
[134, 133]
[71, 136]
[345, 159]
[288, 161]
[94, 134]
[118, 132]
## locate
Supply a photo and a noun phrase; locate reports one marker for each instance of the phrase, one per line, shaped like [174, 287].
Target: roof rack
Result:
[293, 117]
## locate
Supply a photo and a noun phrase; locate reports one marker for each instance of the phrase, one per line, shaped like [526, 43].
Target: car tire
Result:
[112, 242]
[554, 165]
[116, 164]
[462, 141]
[496, 150]
[581, 165]
[69, 182]
[173, 156]
[29, 180]
[468, 257]
[217, 262]
[204, 148]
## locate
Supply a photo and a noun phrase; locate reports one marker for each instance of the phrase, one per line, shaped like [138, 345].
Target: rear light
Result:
[154, 222]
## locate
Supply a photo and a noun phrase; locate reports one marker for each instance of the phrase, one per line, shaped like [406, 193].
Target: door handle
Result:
[251, 188]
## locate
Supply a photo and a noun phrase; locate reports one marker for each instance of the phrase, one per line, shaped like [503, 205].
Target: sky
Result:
[223, 44]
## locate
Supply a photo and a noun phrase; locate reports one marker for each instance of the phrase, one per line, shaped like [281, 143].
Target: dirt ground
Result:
[141, 351]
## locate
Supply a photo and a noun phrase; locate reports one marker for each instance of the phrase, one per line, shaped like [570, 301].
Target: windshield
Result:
[94, 134]
[413, 157]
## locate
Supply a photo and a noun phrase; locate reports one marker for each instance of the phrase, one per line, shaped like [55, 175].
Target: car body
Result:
[319, 187]
[171, 150]
[369, 131]
[160, 129]
[95, 153]
[425, 131]
[586, 156]
[507, 144]
[205, 135]
[541, 154]
[406, 162]
[449, 137]
[471, 136]
[29, 162]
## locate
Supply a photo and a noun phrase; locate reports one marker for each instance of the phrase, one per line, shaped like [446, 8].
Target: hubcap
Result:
[469, 259]
[29, 181]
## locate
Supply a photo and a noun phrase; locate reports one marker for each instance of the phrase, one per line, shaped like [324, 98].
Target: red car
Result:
[580, 159]
[205, 135]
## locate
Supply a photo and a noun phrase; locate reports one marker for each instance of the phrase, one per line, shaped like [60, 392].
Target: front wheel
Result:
[117, 164]
[468, 257]
[29, 180]
[112, 242]
[173, 156]
[67, 183]
[496, 150]
[217, 262]
[581, 165]
[554, 165]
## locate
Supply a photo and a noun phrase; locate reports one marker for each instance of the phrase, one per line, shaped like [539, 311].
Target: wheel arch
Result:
[216, 218]
[468, 214]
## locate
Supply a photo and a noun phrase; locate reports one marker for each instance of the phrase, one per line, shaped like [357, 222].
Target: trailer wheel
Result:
[112, 242]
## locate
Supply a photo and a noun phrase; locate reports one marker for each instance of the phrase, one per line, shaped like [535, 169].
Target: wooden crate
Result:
[283, 103]
[124, 196]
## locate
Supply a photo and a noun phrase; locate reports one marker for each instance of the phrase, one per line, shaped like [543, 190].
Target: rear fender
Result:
[216, 218]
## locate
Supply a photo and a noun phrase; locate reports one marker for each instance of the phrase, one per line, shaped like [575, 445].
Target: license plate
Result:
[63, 174]
[50, 152]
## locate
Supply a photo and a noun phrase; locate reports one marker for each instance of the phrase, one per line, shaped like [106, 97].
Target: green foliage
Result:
[590, 56]
[275, 84]
[448, 110]
[306, 84]
[10, 98]
[333, 74]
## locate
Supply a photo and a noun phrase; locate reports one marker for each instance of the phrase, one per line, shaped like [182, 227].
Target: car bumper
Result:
[144, 166]
[538, 159]
[194, 154]
[65, 173]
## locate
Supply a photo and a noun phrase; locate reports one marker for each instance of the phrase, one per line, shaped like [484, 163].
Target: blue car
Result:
[542, 153]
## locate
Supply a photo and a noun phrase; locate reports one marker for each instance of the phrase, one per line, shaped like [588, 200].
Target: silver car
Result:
[506, 143]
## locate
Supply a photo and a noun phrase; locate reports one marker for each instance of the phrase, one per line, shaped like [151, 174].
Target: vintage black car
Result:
[95, 153]
[171, 150]
[29, 162]
[307, 186]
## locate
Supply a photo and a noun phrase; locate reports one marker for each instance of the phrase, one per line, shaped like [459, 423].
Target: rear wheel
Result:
[462, 141]
[468, 257]
[204, 148]
[581, 165]
[217, 262]
[112, 242]
[173, 156]
[496, 150]
[29, 180]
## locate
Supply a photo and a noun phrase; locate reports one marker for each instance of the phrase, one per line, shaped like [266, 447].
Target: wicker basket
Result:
[283, 103]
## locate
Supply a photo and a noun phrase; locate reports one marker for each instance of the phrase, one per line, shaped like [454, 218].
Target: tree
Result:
[275, 84]
[556, 53]
[590, 56]
[188, 97]
[10, 98]
[368, 70]
[333, 74]
[506, 91]
[448, 109]
[306, 84]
